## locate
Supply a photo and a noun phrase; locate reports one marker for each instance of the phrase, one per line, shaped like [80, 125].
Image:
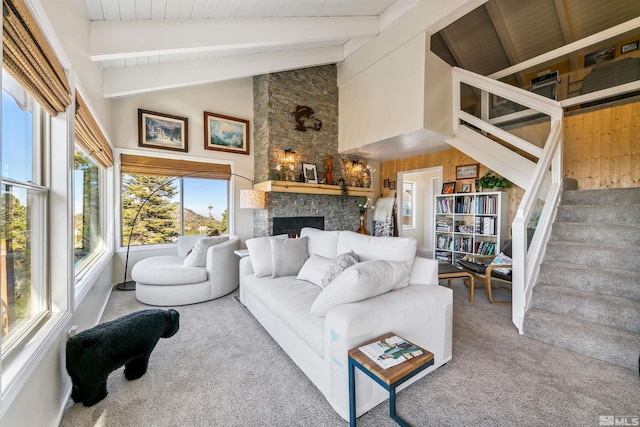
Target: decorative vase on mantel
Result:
[362, 229]
[366, 181]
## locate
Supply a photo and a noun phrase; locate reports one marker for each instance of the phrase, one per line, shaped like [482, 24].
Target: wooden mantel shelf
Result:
[304, 188]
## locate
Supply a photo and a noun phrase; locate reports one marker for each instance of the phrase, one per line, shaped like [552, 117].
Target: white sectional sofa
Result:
[420, 312]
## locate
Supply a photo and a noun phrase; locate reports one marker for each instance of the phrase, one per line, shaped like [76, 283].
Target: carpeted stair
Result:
[587, 298]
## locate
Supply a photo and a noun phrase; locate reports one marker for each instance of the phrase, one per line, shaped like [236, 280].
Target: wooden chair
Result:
[449, 271]
[479, 266]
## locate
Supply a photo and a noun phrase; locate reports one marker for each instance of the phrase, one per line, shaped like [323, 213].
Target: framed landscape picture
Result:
[165, 131]
[224, 133]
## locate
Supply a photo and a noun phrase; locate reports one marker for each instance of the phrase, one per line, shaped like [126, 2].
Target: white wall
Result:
[43, 396]
[386, 99]
[230, 98]
[67, 24]
[437, 95]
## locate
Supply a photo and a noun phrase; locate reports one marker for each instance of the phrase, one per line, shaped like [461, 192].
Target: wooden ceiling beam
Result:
[497, 20]
[568, 35]
[457, 53]
[112, 40]
[147, 78]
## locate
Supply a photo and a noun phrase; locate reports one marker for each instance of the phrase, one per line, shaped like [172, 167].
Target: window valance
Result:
[29, 58]
[143, 165]
[89, 136]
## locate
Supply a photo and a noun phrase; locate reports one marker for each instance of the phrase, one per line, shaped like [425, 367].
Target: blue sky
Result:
[200, 193]
[16, 130]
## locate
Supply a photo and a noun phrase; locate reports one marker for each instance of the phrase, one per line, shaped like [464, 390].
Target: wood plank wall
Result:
[602, 147]
[601, 150]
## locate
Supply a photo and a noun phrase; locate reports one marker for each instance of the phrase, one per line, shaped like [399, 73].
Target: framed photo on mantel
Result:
[310, 173]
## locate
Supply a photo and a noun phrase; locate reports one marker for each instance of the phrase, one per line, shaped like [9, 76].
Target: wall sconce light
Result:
[288, 157]
[353, 166]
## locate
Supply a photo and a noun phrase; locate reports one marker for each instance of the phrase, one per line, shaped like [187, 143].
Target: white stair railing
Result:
[526, 258]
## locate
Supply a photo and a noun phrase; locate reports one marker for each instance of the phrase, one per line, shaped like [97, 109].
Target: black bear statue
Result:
[128, 341]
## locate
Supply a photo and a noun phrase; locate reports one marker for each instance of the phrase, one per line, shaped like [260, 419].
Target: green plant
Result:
[489, 180]
[344, 187]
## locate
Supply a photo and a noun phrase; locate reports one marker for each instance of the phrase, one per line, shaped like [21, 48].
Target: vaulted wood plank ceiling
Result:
[502, 33]
[147, 45]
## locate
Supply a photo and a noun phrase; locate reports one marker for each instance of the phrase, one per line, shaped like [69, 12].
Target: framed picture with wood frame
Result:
[465, 187]
[392, 185]
[164, 131]
[448, 188]
[224, 133]
[386, 183]
[467, 171]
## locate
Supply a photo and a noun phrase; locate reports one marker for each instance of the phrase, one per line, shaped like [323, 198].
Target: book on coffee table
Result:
[390, 351]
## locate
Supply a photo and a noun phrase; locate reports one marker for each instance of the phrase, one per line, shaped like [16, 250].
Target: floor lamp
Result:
[249, 199]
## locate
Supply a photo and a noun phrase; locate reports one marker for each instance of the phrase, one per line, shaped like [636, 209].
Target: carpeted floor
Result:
[223, 369]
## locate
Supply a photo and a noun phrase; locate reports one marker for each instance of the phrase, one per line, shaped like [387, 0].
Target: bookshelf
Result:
[469, 223]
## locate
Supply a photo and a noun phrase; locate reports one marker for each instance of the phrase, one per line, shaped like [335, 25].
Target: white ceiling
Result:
[147, 45]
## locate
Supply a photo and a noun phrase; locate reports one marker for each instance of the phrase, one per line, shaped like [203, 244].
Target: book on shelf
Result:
[464, 204]
[445, 205]
[445, 242]
[390, 351]
[443, 256]
[463, 244]
[485, 225]
[485, 248]
[489, 226]
[443, 225]
[487, 205]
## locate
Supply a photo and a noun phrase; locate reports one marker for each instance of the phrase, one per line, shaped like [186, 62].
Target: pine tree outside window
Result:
[87, 212]
[183, 206]
[25, 292]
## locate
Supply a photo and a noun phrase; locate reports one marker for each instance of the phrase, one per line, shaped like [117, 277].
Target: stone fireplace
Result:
[276, 96]
[292, 225]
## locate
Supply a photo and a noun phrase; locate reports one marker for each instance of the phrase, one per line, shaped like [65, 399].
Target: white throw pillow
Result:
[260, 254]
[198, 255]
[322, 242]
[397, 249]
[288, 256]
[361, 281]
[502, 259]
[338, 265]
[314, 269]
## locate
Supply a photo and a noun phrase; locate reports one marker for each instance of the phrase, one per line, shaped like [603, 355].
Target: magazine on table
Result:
[390, 351]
